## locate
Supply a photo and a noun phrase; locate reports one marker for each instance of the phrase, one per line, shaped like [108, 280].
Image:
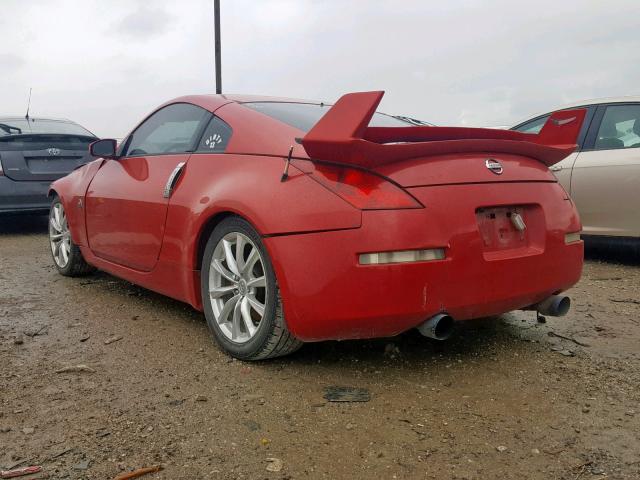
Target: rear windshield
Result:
[303, 116]
[41, 142]
[13, 126]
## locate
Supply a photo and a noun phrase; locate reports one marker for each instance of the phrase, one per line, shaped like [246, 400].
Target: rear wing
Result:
[343, 136]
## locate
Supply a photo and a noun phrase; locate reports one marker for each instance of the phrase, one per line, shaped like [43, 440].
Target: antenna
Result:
[285, 174]
[28, 104]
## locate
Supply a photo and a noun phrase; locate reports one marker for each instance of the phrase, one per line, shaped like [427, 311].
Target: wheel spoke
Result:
[227, 309]
[253, 257]
[257, 306]
[246, 316]
[240, 243]
[64, 248]
[217, 265]
[257, 282]
[217, 292]
[237, 318]
[231, 261]
[55, 236]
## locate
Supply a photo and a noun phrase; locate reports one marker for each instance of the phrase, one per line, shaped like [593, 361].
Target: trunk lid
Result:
[43, 157]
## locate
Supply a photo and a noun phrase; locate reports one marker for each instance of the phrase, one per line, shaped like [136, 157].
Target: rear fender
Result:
[71, 190]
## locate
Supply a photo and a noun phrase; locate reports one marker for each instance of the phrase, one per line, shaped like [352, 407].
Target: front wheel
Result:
[240, 295]
[66, 255]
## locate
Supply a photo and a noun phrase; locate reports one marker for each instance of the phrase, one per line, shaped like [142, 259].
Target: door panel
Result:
[606, 176]
[562, 170]
[126, 209]
[605, 186]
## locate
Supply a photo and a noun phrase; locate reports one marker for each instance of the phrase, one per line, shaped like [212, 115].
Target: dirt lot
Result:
[507, 398]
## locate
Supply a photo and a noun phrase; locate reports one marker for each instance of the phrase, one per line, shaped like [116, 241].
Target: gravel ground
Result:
[507, 398]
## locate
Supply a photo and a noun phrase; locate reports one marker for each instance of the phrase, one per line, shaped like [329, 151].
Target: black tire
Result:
[76, 265]
[272, 338]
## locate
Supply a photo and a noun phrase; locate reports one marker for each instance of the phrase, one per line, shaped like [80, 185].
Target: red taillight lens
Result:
[363, 190]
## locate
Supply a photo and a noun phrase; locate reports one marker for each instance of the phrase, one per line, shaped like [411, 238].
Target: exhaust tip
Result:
[438, 327]
[554, 306]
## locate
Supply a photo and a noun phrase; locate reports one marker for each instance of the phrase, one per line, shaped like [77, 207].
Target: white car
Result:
[603, 174]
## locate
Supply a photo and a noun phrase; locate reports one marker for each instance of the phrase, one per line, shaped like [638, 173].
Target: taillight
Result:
[362, 189]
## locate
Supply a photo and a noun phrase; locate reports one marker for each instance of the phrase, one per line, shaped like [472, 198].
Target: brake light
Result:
[363, 190]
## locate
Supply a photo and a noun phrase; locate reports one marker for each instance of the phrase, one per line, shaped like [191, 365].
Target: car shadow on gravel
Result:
[23, 224]
[622, 252]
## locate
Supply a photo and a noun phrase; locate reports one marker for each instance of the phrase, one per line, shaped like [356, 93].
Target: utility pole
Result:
[216, 8]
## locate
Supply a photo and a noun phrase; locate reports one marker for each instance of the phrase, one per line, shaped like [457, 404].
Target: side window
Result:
[534, 126]
[215, 138]
[620, 128]
[170, 130]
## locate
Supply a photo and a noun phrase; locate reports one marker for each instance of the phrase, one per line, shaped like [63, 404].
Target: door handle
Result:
[555, 168]
[173, 178]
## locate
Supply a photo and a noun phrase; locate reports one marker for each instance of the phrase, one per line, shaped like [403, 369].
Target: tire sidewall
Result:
[253, 347]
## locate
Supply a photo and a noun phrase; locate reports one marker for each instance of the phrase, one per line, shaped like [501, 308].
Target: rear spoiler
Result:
[343, 136]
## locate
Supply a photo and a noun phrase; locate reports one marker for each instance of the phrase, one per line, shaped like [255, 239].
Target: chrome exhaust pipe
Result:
[438, 327]
[554, 306]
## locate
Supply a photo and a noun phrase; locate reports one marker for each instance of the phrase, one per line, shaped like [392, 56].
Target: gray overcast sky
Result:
[106, 63]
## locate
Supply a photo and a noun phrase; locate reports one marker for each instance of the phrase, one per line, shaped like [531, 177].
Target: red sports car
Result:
[288, 221]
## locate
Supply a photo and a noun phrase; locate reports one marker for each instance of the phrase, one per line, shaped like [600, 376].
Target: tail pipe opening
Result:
[554, 306]
[438, 327]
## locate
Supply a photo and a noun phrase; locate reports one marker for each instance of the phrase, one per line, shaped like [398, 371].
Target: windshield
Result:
[16, 126]
[303, 116]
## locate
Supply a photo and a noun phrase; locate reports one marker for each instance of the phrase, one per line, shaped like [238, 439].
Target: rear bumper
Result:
[328, 295]
[23, 196]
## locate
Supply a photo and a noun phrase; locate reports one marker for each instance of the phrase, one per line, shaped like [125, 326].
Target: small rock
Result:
[18, 340]
[84, 338]
[111, 340]
[391, 350]
[630, 413]
[585, 410]
[501, 448]
[274, 464]
[28, 430]
[201, 398]
[350, 426]
[5, 429]
[535, 451]
[83, 465]
[252, 425]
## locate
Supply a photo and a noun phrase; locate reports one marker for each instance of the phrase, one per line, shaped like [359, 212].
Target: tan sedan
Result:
[603, 175]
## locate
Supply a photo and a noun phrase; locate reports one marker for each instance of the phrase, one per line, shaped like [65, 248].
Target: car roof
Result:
[213, 101]
[599, 101]
[49, 119]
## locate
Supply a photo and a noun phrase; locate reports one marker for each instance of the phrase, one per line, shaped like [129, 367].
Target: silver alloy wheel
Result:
[59, 235]
[237, 287]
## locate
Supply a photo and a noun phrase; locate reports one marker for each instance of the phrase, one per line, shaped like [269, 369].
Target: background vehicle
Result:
[289, 221]
[603, 174]
[33, 153]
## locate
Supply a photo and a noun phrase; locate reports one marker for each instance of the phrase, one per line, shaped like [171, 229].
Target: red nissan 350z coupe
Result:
[289, 221]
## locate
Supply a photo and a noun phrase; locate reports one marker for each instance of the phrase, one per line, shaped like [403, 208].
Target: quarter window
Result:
[534, 126]
[172, 129]
[215, 137]
[620, 128]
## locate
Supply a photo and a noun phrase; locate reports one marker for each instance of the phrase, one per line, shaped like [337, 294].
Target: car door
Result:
[605, 183]
[126, 202]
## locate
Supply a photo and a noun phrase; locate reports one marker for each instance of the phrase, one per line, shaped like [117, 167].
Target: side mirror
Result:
[105, 148]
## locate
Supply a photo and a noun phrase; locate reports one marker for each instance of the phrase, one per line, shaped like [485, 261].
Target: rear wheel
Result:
[66, 255]
[240, 295]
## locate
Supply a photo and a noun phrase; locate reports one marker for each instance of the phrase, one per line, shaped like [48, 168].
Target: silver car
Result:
[603, 175]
